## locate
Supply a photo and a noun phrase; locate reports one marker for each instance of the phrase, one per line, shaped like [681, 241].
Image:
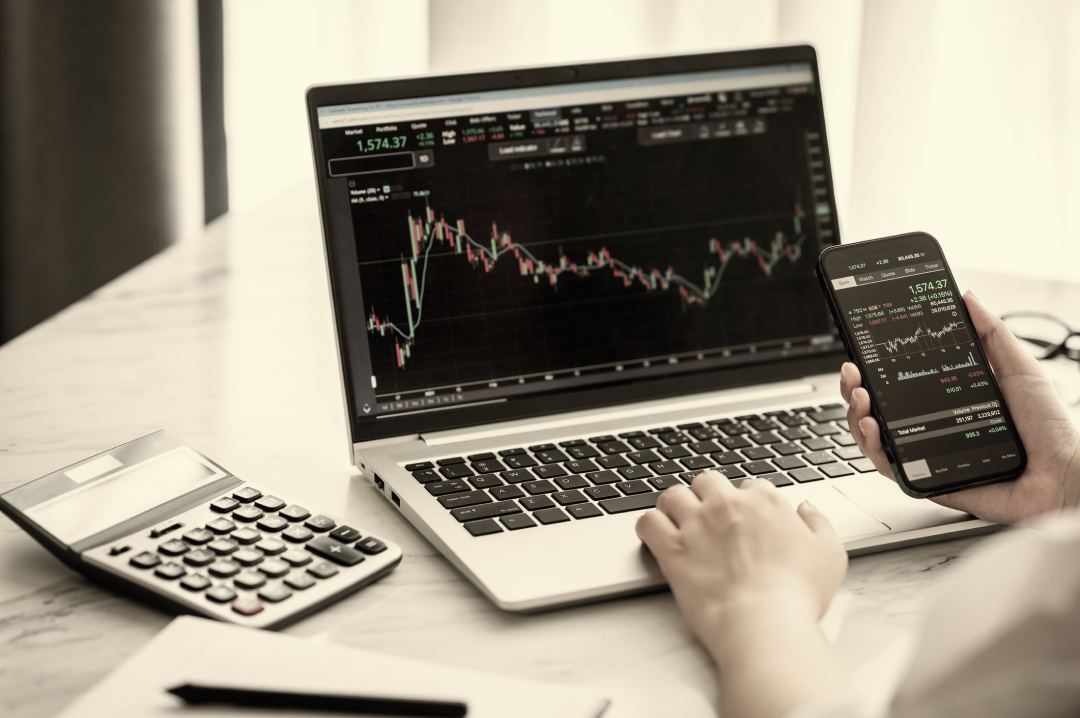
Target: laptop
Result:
[558, 291]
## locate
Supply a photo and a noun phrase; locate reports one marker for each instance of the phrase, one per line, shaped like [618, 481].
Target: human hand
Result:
[1051, 479]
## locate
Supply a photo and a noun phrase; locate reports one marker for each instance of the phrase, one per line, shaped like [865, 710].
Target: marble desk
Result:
[227, 342]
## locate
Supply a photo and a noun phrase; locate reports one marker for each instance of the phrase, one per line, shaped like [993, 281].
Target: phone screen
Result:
[907, 327]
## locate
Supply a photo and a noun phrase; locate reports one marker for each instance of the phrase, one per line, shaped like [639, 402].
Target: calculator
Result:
[158, 520]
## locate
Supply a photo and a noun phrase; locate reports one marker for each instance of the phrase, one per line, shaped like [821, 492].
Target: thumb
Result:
[1003, 350]
[818, 522]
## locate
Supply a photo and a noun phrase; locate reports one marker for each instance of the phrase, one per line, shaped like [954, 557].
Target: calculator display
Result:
[103, 503]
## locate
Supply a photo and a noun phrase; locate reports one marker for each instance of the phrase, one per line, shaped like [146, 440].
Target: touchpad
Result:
[848, 518]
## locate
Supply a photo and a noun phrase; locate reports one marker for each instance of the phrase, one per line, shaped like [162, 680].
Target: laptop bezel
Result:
[391, 426]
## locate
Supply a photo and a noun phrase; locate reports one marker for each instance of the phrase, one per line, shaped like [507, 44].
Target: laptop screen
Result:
[492, 246]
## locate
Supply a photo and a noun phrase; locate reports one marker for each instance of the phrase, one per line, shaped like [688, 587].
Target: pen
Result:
[193, 693]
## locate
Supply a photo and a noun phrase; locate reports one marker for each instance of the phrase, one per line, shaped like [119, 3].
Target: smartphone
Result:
[944, 423]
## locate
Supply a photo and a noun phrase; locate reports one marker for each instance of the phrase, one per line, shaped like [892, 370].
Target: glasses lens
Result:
[1038, 335]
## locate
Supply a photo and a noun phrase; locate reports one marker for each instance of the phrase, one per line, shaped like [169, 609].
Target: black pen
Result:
[197, 694]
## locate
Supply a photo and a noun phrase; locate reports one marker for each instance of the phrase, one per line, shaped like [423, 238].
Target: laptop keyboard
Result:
[576, 479]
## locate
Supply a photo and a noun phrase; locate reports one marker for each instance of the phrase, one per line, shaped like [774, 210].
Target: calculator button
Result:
[221, 594]
[249, 580]
[338, 553]
[145, 560]
[246, 535]
[199, 557]
[223, 569]
[322, 570]
[274, 594]
[270, 503]
[247, 557]
[274, 568]
[320, 523]
[162, 530]
[272, 523]
[296, 533]
[371, 546]
[221, 526]
[247, 606]
[296, 557]
[345, 534]
[247, 514]
[271, 546]
[295, 513]
[224, 505]
[195, 582]
[300, 581]
[223, 546]
[170, 571]
[247, 494]
[175, 547]
[199, 536]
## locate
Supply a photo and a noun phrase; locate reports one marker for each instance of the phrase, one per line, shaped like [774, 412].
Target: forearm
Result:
[773, 659]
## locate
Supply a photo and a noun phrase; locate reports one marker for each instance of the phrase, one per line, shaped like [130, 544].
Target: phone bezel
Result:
[906, 484]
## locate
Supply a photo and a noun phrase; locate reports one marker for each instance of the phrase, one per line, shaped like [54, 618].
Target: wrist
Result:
[745, 616]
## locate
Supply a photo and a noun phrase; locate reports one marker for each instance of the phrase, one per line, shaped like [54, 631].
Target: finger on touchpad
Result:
[848, 518]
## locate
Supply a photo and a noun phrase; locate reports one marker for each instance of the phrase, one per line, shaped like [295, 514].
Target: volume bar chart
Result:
[969, 363]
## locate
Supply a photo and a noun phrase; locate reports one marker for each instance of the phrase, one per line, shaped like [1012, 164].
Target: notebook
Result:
[560, 290]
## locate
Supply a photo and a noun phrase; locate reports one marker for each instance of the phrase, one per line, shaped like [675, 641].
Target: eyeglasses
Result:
[1046, 337]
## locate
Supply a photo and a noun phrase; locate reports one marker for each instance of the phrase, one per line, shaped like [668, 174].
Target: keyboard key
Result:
[635, 472]
[572, 442]
[631, 434]
[863, 465]
[483, 527]
[337, 552]
[271, 523]
[273, 546]
[795, 434]
[817, 444]
[321, 523]
[224, 505]
[246, 535]
[223, 546]
[371, 546]
[486, 511]
[542, 447]
[490, 466]
[247, 494]
[504, 493]
[688, 476]
[170, 571]
[247, 514]
[612, 462]
[756, 453]
[735, 442]
[159, 531]
[824, 430]
[584, 511]
[441, 488]
[676, 451]
[835, 471]
[296, 557]
[633, 487]
[848, 453]
[787, 449]
[550, 516]
[661, 430]
[200, 557]
[221, 526]
[199, 536]
[549, 472]
[819, 457]
[642, 457]
[762, 425]
[247, 606]
[419, 466]
[523, 461]
[704, 434]
[805, 475]
[674, 437]
[221, 594]
[456, 472]
[249, 580]
[630, 503]
[599, 493]
[758, 467]
[734, 430]
[472, 498]
[296, 534]
[777, 479]
[552, 456]
[518, 476]
[427, 476]
[747, 417]
[519, 521]
[512, 452]
[537, 487]
[582, 452]
[322, 569]
[174, 547]
[295, 513]
[581, 467]
[643, 442]
[450, 461]
[732, 472]
[728, 457]
[485, 481]
[270, 503]
[792, 420]
[223, 569]
[604, 477]
[535, 503]
[195, 582]
[566, 498]
[665, 467]
[613, 447]
[274, 594]
[788, 462]
[299, 581]
[602, 439]
[827, 413]
[482, 457]
[844, 439]
[662, 482]
[566, 483]
[766, 437]
[247, 557]
[696, 463]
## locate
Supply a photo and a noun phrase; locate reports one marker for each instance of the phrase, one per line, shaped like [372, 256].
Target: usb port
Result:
[394, 498]
[379, 483]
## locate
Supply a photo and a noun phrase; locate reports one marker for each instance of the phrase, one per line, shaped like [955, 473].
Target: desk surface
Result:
[227, 342]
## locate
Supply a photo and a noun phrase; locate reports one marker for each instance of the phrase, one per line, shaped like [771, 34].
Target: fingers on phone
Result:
[1002, 348]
